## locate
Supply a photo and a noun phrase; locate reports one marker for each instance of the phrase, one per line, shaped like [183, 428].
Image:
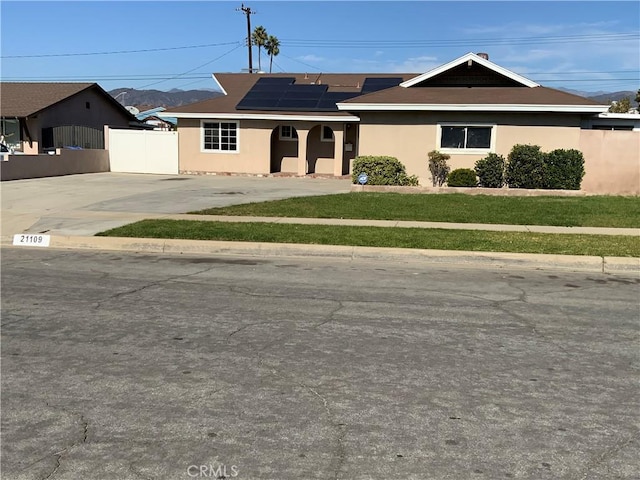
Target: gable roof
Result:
[471, 83]
[473, 58]
[23, 99]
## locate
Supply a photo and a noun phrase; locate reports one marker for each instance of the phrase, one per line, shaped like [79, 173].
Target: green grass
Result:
[441, 239]
[595, 211]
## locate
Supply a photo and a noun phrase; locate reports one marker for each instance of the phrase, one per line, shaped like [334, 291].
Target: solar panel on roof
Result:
[258, 104]
[275, 80]
[282, 93]
[297, 104]
[373, 84]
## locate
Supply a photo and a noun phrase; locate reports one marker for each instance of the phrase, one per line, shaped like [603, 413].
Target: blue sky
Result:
[582, 45]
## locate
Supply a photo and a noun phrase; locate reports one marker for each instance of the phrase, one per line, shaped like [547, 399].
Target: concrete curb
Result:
[583, 263]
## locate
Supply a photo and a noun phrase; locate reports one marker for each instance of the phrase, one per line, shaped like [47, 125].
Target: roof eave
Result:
[263, 116]
[472, 108]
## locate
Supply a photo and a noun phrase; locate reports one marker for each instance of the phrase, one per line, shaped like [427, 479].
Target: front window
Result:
[220, 136]
[466, 137]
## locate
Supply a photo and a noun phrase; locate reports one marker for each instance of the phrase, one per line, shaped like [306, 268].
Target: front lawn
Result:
[440, 239]
[593, 211]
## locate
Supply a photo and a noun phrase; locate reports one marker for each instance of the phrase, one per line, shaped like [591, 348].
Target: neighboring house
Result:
[40, 117]
[150, 117]
[301, 124]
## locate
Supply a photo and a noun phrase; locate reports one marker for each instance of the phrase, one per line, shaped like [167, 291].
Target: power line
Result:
[362, 43]
[444, 43]
[117, 52]
[193, 69]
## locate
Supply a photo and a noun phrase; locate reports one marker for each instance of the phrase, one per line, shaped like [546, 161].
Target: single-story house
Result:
[306, 124]
[40, 117]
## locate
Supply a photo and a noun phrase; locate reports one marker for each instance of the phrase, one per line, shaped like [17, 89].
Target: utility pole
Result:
[248, 12]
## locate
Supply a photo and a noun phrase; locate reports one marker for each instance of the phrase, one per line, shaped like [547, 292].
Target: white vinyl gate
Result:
[143, 151]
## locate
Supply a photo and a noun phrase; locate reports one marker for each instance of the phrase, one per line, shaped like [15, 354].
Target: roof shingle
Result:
[21, 99]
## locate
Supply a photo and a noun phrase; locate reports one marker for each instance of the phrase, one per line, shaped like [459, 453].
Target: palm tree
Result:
[259, 38]
[272, 46]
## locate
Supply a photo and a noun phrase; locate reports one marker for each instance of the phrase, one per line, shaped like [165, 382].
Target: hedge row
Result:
[526, 167]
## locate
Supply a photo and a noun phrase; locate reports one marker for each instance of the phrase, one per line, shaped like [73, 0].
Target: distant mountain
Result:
[604, 97]
[615, 96]
[157, 98]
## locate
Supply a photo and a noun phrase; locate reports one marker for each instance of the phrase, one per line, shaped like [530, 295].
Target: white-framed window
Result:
[288, 132]
[219, 136]
[326, 134]
[466, 138]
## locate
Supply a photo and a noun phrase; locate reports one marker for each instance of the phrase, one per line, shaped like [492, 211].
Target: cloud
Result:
[507, 30]
[415, 65]
[310, 58]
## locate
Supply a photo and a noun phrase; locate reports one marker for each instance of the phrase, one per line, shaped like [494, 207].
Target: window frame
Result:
[323, 138]
[290, 137]
[219, 122]
[465, 150]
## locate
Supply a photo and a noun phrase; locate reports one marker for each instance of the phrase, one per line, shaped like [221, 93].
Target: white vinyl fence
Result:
[143, 151]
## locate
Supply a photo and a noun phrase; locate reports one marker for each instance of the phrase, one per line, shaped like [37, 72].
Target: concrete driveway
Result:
[87, 204]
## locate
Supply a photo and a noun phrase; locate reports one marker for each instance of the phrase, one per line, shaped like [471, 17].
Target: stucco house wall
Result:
[409, 136]
[612, 161]
[260, 149]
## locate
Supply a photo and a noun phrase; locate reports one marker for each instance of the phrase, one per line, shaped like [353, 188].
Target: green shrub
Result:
[382, 170]
[462, 177]
[563, 169]
[525, 167]
[490, 171]
[438, 167]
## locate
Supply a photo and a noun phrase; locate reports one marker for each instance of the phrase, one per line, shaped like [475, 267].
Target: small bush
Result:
[438, 167]
[462, 177]
[525, 167]
[382, 170]
[490, 171]
[563, 169]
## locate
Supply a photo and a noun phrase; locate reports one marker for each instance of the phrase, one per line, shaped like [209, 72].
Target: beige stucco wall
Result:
[260, 151]
[612, 161]
[409, 136]
[66, 162]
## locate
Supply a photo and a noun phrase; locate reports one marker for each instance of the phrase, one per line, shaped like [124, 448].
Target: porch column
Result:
[338, 149]
[302, 151]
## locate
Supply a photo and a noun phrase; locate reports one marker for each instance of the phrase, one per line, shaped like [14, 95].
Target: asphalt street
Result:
[129, 366]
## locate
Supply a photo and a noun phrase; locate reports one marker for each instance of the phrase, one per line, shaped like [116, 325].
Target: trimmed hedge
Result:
[490, 171]
[563, 169]
[382, 170]
[462, 177]
[525, 167]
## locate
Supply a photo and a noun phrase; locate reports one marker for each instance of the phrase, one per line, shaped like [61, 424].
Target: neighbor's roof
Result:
[21, 99]
[236, 86]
